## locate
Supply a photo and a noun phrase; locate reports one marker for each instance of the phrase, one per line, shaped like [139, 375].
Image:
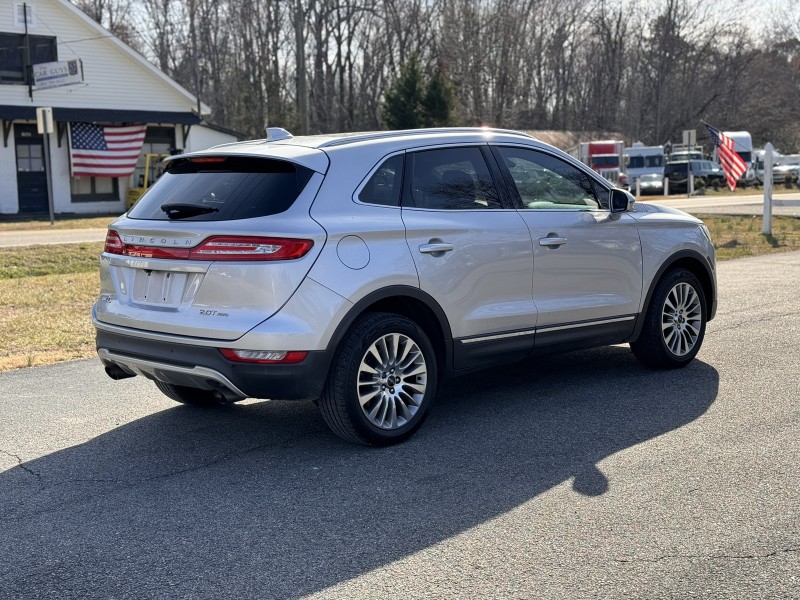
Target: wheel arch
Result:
[412, 303]
[699, 266]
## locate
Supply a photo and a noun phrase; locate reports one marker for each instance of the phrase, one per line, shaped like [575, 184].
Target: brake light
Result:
[208, 159]
[227, 248]
[264, 356]
[250, 248]
[113, 243]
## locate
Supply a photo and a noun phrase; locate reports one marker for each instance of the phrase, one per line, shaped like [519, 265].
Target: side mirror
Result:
[621, 201]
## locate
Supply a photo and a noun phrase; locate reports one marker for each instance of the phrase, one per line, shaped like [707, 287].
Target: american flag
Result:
[731, 163]
[104, 150]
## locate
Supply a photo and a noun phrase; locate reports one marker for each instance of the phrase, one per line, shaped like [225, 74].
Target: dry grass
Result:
[736, 237]
[46, 292]
[46, 319]
[60, 223]
[57, 259]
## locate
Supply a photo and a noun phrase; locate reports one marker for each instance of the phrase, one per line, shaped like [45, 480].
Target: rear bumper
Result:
[205, 368]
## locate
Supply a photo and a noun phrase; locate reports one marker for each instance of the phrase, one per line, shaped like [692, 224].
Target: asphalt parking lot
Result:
[576, 476]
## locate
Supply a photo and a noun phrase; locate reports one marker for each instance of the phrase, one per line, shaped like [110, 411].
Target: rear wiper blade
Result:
[182, 211]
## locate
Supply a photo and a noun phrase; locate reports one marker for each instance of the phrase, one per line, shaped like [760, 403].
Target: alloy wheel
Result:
[392, 378]
[681, 319]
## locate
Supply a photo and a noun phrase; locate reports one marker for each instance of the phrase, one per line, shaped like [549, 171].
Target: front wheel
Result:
[382, 381]
[675, 322]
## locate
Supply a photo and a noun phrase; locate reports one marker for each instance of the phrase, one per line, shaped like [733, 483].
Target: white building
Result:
[118, 87]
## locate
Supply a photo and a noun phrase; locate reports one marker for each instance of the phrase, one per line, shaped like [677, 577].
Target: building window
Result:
[94, 189]
[15, 62]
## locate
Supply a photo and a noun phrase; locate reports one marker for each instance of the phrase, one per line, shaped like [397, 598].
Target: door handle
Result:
[436, 247]
[553, 242]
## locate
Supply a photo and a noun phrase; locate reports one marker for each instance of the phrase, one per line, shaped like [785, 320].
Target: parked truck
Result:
[643, 160]
[604, 156]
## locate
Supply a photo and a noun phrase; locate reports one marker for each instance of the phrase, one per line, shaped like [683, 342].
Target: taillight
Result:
[113, 244]
[264, 356]
[226, 248]
[250, 248]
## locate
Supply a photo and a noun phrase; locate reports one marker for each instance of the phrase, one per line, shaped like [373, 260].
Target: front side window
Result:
[452, 179]
[219, 188]
[543, 181]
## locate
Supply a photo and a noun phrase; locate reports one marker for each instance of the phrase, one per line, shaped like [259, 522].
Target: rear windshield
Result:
[213, 188]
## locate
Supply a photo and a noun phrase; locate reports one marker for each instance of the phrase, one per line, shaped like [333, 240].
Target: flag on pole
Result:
[104, 150]
[732, 164]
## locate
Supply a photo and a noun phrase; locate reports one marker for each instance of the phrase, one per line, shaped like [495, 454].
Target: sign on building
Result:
[56, 74]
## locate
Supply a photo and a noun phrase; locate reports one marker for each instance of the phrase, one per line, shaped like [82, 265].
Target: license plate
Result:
[158, 288]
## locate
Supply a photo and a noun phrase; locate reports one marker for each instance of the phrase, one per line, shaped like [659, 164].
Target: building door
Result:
[31, 174]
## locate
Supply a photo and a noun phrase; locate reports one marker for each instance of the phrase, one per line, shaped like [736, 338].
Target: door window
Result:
[452, 179]
[543, 181]
[29, 158]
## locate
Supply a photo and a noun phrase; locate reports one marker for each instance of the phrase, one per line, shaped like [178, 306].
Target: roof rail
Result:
[377, 135]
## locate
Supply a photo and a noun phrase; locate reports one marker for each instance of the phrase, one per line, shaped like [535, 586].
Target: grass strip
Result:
[58, 259]
[740, 236]
[47, 319]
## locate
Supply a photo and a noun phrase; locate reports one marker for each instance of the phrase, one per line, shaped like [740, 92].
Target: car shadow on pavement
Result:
[261, 500]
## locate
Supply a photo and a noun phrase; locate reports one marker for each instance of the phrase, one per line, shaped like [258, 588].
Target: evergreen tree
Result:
[403, 104]
[439, 101]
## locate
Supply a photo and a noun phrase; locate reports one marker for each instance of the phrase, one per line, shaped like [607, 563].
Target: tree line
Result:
[646, 69]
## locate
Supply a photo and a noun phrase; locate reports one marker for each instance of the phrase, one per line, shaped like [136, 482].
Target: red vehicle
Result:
[603, 156]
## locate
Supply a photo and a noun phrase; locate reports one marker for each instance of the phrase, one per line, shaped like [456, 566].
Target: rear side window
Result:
[211, 188]
[386, 183]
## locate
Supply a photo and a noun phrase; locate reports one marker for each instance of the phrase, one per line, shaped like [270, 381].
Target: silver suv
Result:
[360, 270]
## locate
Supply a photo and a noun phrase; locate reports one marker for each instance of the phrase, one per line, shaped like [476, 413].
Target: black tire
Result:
[675, 322]
[190, 395]
[399, 390]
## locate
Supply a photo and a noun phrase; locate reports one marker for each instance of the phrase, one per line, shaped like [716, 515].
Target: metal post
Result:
[44, 125]
[638, 188]
[690, 183]
[768, 151]
[48, 166]
[666, 186]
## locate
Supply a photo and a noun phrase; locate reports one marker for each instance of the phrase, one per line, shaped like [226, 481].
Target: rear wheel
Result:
[190, 395]
[675, 322]
[382, 381]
